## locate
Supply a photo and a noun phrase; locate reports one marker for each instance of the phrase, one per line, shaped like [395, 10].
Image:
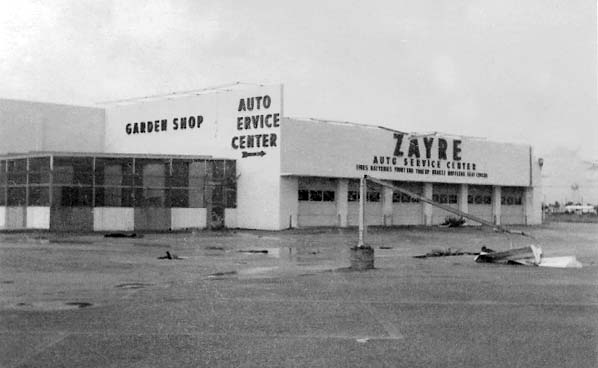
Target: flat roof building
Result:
[230, 157]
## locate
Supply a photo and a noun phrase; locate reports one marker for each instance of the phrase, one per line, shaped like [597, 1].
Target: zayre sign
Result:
[424, 156]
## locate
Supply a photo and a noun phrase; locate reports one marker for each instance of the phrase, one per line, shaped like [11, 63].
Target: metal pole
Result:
[362, 226]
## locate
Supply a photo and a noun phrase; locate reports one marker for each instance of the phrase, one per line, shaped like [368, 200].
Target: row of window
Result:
[114, 171]
[316, 195]
[85, 196]
[397, 197]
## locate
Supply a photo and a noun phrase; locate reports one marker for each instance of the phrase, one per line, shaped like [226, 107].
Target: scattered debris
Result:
[7, 282]
[79, 304]
[133, 285]
[446, 253]
[52, 305]
[451, 221]
[254, 251]
[213, 247]
[385, 247]
[171, 256]
[362, 341]
[123, 235]
[560, 262]
[526, 256]
[225, 273]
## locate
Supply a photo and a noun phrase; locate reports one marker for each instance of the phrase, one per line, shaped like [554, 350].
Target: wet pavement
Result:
[259, 299]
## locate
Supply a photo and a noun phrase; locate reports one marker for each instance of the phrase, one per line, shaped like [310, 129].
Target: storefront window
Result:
[328, 196]
[73, 170]
[353, 196]
[17, 172]
[373, 197]
[39, 170]
[303, 195]
[39, 196]
[315, 195]
[16, 196]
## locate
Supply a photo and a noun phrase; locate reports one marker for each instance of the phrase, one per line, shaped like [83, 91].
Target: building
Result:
[229, 156]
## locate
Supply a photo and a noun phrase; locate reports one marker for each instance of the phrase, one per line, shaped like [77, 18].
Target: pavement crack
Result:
[41, 348]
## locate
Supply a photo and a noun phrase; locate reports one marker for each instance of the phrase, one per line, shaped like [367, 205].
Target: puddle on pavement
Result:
[52, 305]
[267, 262]
[133, 285]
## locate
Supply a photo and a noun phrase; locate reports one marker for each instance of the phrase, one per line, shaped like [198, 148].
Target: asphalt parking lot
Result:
[286, 299]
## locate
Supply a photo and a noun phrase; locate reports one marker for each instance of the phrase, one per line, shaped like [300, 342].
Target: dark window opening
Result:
[39, 196]
[303, 195]
[315, 195]
[16, 196]
[373, 197]
[328, 196]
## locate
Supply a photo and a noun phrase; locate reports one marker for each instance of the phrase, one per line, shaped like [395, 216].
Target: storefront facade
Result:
[287, 172]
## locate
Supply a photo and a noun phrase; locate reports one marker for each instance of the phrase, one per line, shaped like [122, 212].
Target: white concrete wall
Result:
[407, 213]
[16, 217]
[113, 219]
[184, 218]
[483, 211]
[317, 214]
[2, 217]
[342, 203]
[38, 218]
[512, 215]
[374, 213]
[230, 218]
[37, 126]
[289, 204]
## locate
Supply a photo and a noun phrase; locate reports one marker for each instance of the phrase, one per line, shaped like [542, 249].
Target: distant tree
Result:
[569, 203]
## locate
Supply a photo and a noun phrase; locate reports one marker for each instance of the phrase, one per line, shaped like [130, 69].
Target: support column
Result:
[342, 202]
[387, 205]
[427, 192]
[463, 193]
[289, 202]
[528, 205]
[496, 206]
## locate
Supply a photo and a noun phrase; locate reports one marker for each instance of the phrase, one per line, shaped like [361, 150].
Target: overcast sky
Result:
[510, 70]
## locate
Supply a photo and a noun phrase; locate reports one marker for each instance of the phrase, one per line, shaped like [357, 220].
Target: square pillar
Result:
[496, 206]
[342, 202]
[463, 193]
[428, 209]
[387, 205]
[289, 202]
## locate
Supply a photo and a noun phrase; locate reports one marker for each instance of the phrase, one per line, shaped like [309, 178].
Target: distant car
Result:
[580, 209]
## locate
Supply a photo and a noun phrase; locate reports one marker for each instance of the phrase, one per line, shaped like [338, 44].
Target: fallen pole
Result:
[445, 207]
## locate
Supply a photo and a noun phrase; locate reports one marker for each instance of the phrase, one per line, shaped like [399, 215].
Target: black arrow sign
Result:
[249, 154]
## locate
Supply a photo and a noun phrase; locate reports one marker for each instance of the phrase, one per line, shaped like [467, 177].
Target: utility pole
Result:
[362, 199]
